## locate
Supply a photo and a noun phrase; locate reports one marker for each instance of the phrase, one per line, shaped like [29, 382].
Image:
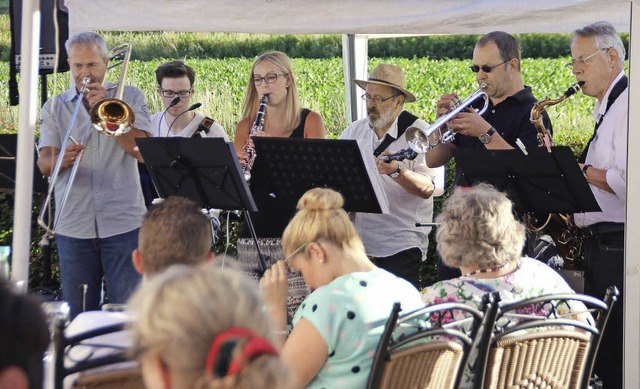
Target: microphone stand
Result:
[175, 101]
[194, 106]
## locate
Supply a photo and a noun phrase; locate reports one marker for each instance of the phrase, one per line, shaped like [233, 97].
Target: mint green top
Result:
[350, 313]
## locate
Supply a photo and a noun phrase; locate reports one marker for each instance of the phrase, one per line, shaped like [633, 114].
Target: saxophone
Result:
[544, 139]
[258, 125]
[560, 227]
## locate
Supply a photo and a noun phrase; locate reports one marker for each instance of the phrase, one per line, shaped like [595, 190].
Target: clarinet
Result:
[257, 125]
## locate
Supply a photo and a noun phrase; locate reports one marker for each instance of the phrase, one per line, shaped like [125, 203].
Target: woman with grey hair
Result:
[479, 233]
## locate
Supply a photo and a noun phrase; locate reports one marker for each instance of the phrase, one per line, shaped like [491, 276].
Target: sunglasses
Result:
[486, 68]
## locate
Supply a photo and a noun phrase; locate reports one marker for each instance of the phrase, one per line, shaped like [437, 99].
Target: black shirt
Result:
[511, 119]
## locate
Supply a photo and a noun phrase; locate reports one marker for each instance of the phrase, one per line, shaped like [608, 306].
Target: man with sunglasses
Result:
[597, 59]
[392, 241]
[504, 125]
[496, 63]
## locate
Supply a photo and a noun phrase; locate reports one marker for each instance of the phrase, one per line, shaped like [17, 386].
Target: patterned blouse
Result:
[532, 278]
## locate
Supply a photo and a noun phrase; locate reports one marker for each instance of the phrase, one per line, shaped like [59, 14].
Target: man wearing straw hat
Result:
[392, 240]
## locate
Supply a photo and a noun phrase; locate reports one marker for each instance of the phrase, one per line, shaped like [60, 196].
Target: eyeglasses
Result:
[269, 78]
[294, 253]
[168, 93]
[486, 68]
[377, 99]
[584, 61]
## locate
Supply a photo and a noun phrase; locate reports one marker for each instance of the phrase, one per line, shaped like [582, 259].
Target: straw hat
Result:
[389, 75]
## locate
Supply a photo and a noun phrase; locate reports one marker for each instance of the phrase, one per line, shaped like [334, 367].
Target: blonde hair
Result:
[320, 217]
[173, 231]
[478, 227]
[293, 113]
[181, 311]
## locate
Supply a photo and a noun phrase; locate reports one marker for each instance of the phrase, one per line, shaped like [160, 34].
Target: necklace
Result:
[491, 270]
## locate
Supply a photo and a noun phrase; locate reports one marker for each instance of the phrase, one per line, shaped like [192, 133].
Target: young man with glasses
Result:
[176, 81]
[178, 117]
[505, 124]
[393, 241]
[597, 59]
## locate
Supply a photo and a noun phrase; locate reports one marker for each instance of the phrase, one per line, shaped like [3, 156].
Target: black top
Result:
[511, 119]
[272, 216]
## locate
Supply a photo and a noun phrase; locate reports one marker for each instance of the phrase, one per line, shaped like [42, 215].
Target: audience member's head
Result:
[320, 217]
[174, 231]
[204, 327]
[478, 228]
[24, 337]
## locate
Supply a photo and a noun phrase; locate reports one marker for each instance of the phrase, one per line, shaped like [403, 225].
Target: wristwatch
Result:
[486, 137]
[397, 172]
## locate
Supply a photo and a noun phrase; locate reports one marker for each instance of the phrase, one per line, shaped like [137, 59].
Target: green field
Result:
[221, 83]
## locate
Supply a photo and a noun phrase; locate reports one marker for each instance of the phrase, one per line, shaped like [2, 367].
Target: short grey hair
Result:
[605, 36]
[88, 38]
[477, 227]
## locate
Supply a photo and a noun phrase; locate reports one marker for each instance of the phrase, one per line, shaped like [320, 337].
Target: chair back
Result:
[95, 367]
[549, 341]
[428, 347]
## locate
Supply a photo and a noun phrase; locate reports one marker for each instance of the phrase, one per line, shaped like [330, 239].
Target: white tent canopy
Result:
[359, 19]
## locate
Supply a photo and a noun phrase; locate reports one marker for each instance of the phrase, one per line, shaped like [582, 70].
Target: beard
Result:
[384, 119]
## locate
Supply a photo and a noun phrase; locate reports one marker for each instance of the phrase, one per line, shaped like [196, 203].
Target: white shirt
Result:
[387, 234]
[216, 130]
[608, 151]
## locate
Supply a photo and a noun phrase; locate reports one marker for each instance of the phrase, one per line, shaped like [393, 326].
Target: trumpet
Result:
[110, 116]
[418, 138]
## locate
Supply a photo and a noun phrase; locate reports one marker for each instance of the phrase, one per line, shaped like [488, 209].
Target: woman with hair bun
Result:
[338, 326]
[204, 327]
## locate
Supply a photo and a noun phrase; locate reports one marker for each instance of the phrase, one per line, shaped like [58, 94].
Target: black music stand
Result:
[205, 170]
[539, 182]
[296, 165]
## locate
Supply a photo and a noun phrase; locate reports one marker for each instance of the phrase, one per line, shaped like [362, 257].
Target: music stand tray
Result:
[205, 170]
[538, 182]
[296, 165]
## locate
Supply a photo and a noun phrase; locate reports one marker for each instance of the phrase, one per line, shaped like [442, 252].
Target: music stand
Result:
[205, 170]
[540, 182]
[296, 165]
[8, 151]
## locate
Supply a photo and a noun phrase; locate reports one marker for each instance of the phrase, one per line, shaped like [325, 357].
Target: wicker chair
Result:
[553, 348]
[93, 373]
[424, 348]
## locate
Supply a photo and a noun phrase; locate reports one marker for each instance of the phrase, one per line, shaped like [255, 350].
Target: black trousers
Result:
[604, 266]
[404, 264]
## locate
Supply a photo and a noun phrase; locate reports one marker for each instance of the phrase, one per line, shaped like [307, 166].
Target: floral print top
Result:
[532, 278]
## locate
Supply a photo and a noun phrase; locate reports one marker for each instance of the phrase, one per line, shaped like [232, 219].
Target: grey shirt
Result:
[106, 198]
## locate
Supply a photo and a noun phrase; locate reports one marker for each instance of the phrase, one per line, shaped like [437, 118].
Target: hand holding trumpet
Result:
[468, 122]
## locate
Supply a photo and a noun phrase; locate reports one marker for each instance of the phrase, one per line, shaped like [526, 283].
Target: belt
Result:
[602, 228]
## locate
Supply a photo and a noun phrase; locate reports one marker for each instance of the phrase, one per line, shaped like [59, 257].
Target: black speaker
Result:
[51, 41]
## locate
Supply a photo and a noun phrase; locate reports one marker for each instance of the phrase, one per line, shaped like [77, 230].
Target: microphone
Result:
[191, 108]
[175, 101]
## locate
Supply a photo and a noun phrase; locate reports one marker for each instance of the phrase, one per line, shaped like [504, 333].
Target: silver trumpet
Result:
[418, 139]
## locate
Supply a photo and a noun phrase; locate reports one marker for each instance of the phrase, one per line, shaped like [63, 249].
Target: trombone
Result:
[110, 116]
